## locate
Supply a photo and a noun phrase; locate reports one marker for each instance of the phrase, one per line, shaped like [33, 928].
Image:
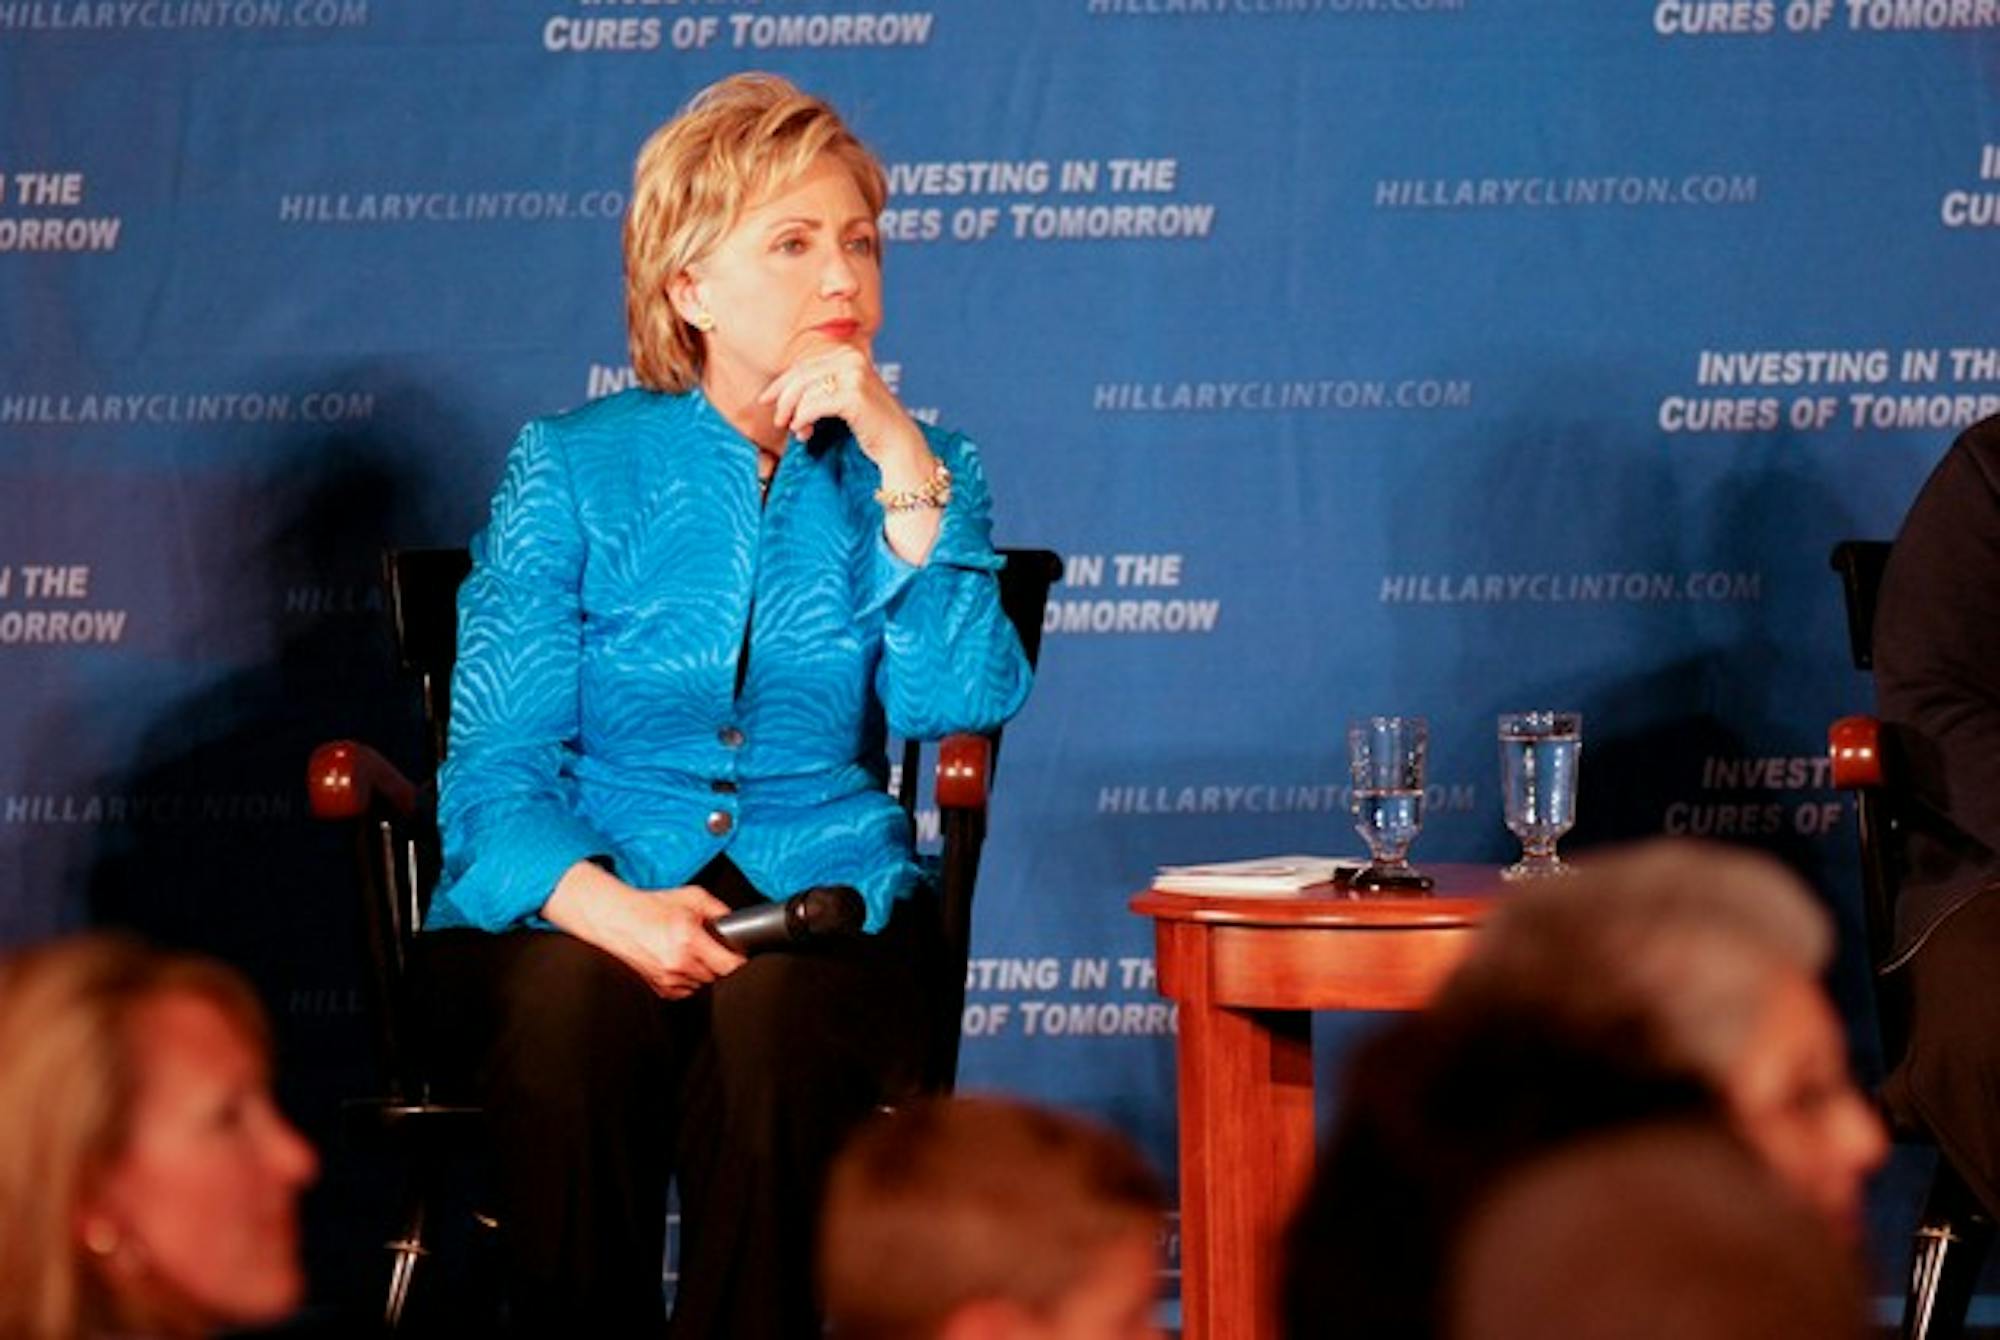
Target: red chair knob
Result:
[1855, 745]
[344, 778]
[963, 766]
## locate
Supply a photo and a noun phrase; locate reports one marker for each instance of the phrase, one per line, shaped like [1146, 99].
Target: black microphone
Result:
[819, 913]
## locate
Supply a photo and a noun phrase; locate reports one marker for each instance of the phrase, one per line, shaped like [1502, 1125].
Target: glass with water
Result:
[1539, 753]
[1386, 757]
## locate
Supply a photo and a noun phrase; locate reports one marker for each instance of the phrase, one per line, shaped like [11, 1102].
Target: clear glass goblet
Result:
[1386, 757]
[1539, 754]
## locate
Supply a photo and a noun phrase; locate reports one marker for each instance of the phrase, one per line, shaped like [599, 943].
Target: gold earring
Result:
[702, 321]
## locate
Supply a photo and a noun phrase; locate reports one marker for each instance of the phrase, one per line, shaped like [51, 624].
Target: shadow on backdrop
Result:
[228, 859]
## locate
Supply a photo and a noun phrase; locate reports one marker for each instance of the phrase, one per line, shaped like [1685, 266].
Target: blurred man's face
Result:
[1792, 1100]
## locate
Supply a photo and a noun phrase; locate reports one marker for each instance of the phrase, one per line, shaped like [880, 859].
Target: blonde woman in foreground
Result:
[148, 1183]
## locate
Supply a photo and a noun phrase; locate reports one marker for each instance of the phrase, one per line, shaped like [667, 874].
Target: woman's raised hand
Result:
[839, 381]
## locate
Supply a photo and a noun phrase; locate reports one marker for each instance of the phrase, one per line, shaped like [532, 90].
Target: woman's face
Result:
[1789, 1093]
[799, 272]
[201, 1205]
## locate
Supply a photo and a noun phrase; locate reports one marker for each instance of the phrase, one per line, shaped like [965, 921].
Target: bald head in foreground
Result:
[1673, 1232]
[989, 1219]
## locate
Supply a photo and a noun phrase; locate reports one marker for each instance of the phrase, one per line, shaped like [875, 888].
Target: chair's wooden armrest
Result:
[964, 767]
[1855, 744]
[345, 779]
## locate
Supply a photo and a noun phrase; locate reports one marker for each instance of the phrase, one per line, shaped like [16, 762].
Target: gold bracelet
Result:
[934, 494]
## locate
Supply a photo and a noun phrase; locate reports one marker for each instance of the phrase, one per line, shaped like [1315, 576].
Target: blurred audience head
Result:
[1432, 1110]
[986, 1219]
[1710, 956]
[148, 1183]
[1672, 980]
[1669, 1232]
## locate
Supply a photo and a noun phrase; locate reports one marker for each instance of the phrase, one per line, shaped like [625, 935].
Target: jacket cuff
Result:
[958, 545]
[538, 852]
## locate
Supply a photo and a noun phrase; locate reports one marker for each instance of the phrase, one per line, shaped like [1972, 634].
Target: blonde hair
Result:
[955, 1201]
[735, 141]
[69, 1076]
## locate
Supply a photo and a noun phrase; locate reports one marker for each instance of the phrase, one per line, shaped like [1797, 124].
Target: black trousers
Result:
[599, 1092]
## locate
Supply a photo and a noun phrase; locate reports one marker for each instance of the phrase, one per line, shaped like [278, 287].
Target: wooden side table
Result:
[1246, 973]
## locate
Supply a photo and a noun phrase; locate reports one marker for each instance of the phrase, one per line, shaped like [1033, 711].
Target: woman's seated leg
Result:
[573, 1056]
[799, 1045]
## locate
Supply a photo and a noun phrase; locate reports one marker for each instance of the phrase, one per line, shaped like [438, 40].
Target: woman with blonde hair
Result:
[148, 1182]
[696, 612]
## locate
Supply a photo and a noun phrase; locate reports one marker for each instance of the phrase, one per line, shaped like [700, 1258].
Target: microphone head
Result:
[829, 909]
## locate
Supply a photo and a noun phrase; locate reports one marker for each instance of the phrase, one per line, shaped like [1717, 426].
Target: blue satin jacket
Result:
[595, 707]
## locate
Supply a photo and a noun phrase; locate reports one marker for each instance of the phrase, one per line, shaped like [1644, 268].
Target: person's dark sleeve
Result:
[1937, 637]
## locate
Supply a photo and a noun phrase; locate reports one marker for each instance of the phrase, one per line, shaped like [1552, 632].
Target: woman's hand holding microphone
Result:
[661, 934]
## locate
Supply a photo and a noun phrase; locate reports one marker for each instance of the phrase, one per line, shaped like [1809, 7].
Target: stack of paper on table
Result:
[1263, 875]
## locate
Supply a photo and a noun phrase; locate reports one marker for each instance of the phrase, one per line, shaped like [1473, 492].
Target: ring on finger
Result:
[827, 384]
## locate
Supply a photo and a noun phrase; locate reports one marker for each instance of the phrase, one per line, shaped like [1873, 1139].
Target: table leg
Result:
[1246, 1152]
